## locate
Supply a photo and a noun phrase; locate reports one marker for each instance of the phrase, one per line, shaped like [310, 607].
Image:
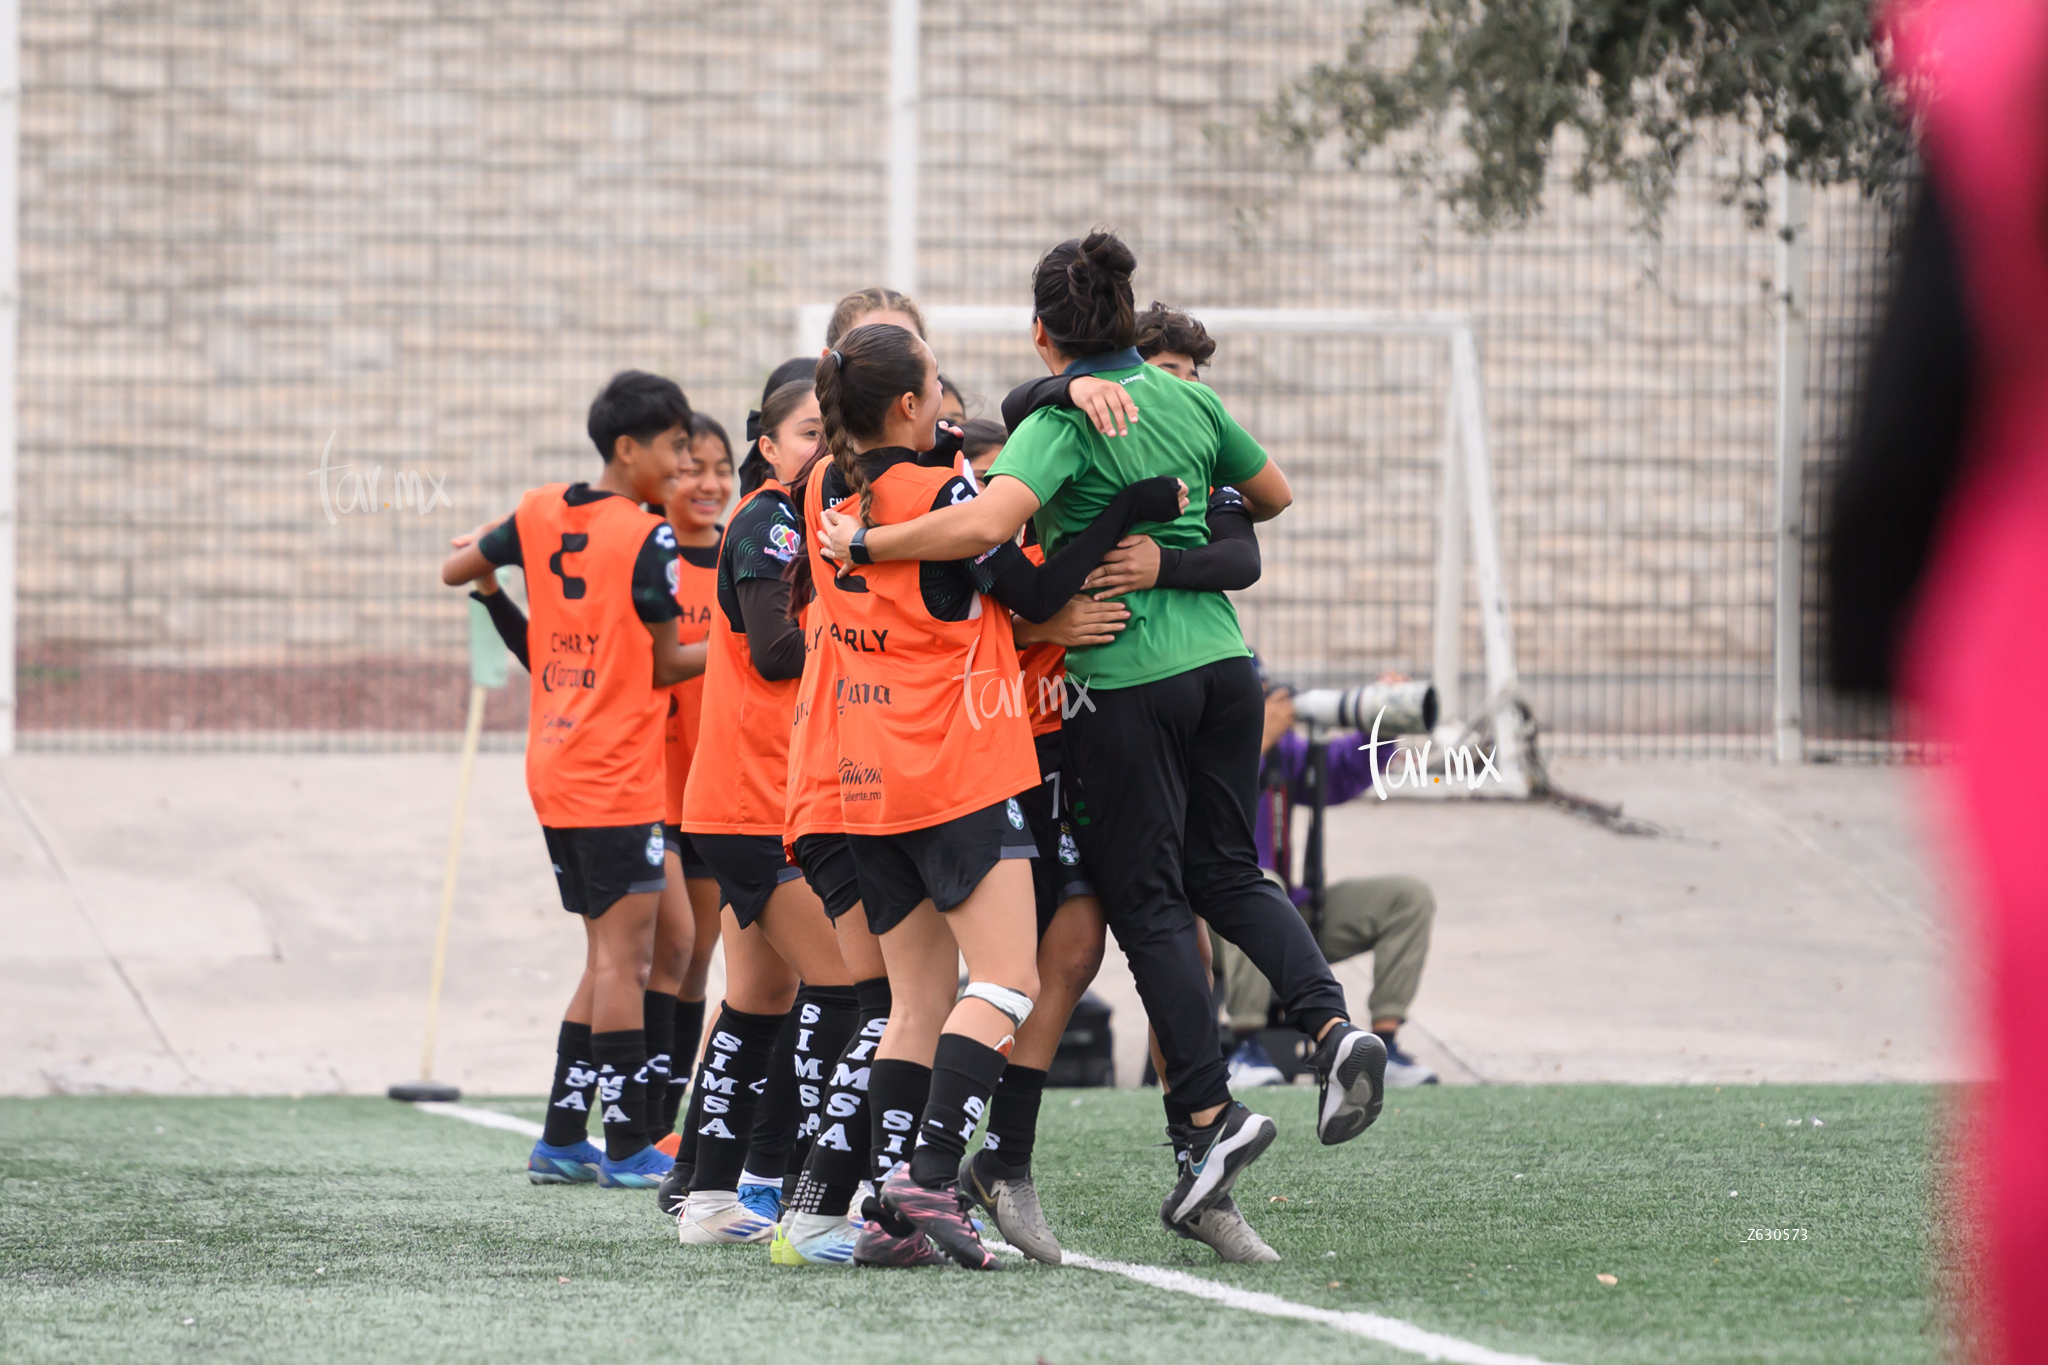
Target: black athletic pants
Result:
[1163, 776]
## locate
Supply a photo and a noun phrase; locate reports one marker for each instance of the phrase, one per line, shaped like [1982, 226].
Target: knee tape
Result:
[1015, 1004]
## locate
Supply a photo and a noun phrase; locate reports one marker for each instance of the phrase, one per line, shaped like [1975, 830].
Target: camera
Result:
[1410, 707]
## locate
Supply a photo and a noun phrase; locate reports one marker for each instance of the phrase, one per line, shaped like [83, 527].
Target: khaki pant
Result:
[1389, 917]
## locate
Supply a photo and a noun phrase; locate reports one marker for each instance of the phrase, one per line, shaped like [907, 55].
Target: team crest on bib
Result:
[1069, 854]
[1016, 815]
[654, 846]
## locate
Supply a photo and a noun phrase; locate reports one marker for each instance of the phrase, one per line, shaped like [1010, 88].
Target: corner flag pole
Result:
[486, 670]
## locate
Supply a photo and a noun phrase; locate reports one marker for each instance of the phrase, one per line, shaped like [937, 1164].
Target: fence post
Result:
[10, 315]
[906, 23]
[1447, 664]
[1788, 741]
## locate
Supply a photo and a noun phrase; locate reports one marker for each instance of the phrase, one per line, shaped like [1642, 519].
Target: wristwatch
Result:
[858, 550]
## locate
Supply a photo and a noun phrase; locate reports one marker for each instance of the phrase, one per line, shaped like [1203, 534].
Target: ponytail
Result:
[857, 380]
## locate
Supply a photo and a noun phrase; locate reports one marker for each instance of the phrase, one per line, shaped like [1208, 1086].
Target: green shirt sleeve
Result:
[1043, 453]
[1238, 456]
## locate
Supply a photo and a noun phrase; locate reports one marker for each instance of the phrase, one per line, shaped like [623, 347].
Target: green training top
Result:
[1183, 431]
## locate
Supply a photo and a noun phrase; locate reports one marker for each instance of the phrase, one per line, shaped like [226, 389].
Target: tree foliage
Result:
[1791, 84]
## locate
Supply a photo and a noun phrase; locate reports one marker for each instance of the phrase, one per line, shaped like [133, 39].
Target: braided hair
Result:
[871, 368]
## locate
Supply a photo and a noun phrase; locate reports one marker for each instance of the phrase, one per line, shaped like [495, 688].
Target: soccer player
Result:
[1161, 768]
[1071, 926]
[934, 747]
[686, 920]
[775, 930]
[601, 578]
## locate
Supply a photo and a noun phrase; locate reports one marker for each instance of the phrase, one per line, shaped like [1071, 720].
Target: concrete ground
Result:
[263, 924]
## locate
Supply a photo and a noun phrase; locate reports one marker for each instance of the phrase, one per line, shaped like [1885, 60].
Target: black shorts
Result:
[597, 864]
[828, 866]
[749, 867]
[1057, 873]
[686, 852]
[941, 863]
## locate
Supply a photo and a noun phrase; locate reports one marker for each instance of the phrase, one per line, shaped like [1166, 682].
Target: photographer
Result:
[1389, 917]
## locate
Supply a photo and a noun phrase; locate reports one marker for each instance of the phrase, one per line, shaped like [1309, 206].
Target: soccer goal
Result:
[1437, 362]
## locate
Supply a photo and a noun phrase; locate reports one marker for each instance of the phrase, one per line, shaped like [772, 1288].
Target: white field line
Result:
[1402, 1336]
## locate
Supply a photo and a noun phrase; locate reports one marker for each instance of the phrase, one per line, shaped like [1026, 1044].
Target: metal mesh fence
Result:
[286, 264]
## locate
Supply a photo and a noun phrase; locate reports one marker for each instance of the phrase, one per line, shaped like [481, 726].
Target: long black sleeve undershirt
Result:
[1036, 592]
[1045, 391]
[1228, 563]
[510, 621]
[774, 642]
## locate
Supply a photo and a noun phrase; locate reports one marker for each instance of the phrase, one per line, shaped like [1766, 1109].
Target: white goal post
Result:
[1466, 518]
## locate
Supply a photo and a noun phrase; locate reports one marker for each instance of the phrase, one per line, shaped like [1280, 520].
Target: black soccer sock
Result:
[1013, 1122]
[778, 1114]
[1176, 1112]
[682, 1056]
[658, 1011]
[622, 1090]
[568, 1118]
[964, 1075]
[838, 1159]
[825, 1025]
[734, 1063]
[897, 1092]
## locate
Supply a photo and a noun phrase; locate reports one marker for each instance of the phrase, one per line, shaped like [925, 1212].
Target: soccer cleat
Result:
[1352, 1066]
[575, 1165]
[814, 1239]
[1251, 1066]
[939, 1214]
[876, 1245]
[763, 1201]
[1013, 1203]
[1225, 1231]
[1229, 1145]
[644, 1170]
[1404, 1070]
[717, 1218]
[670, 1145]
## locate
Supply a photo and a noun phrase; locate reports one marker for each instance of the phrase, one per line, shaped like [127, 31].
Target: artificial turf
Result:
[142, 1228]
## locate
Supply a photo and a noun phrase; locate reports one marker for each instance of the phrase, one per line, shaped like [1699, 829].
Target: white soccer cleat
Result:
[717, 1218]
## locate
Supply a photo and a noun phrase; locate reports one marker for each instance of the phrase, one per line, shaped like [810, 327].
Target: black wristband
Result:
[858, 550]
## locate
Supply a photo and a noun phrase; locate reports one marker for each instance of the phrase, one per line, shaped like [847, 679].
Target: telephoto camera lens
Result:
[1410, 707]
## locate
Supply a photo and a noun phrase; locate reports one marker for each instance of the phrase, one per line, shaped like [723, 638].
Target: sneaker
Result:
[643, 1170]
[875, 1244]
[1352, 1066]
[813, 1239]
[1013, 1203]
[717, 1218]
[939, 1214]
[670, 1146]
[1229, 1145]
[763, 1201]
[1251, 1066]
[1225, 1231]
[575, 1165]
[1403, 1070]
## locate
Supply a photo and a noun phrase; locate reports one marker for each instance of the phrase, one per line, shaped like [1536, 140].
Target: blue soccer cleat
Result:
[575, 1165]
[641, 1171]
[763, 1201]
